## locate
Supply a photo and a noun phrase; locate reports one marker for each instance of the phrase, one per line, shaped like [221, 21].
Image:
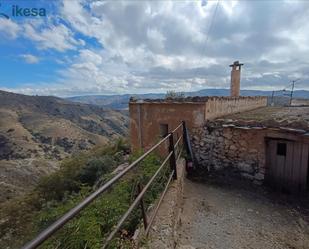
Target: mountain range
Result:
[121, 101]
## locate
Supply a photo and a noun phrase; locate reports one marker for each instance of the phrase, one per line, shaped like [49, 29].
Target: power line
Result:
[293, 85]
[211, 21]
[211, 24]
[287, 86]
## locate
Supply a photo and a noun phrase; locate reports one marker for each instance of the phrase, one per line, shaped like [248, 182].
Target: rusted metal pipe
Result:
[179, 139]
[173, 157]
[144, 216]
[48, 232]
[134, 204]
[159, 204]
[180, 151]
[45, 234]
[177, 128]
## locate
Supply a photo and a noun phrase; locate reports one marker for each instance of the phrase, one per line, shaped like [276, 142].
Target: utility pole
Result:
[272, 98]
[292, 91]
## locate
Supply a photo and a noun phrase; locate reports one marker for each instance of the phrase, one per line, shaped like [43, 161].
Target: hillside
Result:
[37, 132]
[121, 101]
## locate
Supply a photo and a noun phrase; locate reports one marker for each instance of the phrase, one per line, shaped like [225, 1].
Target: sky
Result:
[85, 47]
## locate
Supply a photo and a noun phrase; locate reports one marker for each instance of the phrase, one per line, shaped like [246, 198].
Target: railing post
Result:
[173, 157]
[186, 140]
[139, 189]
[187, 143]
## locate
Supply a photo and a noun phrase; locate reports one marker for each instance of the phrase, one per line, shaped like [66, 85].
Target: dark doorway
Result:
[163, 130]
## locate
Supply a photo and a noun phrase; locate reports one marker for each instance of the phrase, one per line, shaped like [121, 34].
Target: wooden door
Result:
[287, 165]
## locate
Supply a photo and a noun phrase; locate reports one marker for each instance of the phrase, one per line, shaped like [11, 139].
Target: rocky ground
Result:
[225, 216]
[19, 176]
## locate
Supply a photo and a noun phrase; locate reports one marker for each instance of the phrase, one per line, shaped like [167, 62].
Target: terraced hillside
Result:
[36, 132]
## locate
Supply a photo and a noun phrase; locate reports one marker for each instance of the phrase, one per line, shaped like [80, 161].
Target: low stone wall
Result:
[220, 106]
[239, 150]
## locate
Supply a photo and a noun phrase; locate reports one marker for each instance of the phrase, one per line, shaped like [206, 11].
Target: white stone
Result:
[247, 176]
[245, 167]
[233, 147]
[259, 176]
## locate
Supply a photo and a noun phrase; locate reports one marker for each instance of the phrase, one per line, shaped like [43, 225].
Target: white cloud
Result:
[9, 28]
[45, 33]
[156, 46]
[30, 59]
[57, 37]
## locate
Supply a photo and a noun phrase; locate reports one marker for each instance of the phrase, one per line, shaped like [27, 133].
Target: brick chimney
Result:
[235, 78]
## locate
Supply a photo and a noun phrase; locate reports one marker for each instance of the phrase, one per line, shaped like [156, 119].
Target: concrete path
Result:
[233, 218]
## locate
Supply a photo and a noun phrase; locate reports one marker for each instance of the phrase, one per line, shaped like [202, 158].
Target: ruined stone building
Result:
[237, 134]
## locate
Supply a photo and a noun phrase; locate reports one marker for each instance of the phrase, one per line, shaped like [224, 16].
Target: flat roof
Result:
[277, 117]
[185, 100]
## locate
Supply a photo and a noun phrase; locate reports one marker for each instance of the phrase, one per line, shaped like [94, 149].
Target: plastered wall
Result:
[146, 117]
[145, 120]
[217, 107]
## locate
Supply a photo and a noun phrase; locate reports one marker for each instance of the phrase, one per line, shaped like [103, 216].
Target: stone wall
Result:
[239, 150]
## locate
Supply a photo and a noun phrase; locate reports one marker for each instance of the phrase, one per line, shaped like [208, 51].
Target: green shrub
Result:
[76, 179]
[95, 168]
[93, 225]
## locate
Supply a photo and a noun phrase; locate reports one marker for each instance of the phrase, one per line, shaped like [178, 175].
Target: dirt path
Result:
[233, 218]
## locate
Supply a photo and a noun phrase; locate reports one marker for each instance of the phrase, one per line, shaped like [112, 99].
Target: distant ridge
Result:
[56, 122]
[36, 132]
[121, 101]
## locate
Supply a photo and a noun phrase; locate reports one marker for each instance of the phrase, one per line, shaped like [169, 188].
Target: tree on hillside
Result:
[174, 95]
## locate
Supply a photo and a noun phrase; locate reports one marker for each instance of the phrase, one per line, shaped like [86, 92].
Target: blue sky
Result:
[24, 63]
[107, 47]
[15, 70]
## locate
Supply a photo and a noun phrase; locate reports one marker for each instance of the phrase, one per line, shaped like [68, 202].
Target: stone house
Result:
[151, 119]
[237, 134]
[264, 145]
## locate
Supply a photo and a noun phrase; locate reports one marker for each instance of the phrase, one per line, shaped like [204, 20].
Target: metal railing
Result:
[174, 153]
